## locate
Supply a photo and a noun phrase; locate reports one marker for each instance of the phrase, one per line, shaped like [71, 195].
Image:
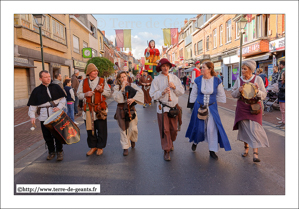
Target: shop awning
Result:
[23, 65]
[258, 58]
[281, 58]
[189, 69]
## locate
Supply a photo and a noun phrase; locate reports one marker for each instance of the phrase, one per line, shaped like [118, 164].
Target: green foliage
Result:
[135, 72]
[104, 65]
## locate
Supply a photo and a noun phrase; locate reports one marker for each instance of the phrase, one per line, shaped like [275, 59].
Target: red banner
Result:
[174, 36]
[119, 38]
[249, 18]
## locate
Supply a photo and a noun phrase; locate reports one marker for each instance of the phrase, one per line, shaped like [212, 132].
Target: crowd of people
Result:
[205, 91]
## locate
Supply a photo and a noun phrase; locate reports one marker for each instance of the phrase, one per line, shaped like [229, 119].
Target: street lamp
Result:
[241, 25]
[39, 20]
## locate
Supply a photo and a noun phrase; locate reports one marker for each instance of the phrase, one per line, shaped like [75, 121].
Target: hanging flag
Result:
[167, 36]
[249, 17]
[127, 39]
[119, 39]
[174, 36]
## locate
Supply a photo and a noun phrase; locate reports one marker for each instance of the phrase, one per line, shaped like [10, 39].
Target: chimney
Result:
[186, 20]
[103, 32]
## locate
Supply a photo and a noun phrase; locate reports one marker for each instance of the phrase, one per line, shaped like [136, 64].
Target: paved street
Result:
[144, 171]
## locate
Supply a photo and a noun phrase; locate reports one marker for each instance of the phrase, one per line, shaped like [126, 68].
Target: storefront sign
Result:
[250, 49]
[21, 60]
[277, 45]
[56, 65]
[78, 64]
[217, 66]
[270, 72]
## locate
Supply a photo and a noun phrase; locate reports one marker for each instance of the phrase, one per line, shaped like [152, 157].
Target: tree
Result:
[104, 66]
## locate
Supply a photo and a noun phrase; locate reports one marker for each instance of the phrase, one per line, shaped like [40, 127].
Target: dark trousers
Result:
[49, 138]
[99, 139]
[76, 105]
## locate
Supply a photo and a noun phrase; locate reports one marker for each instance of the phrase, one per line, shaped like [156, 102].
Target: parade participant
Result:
[94, 91]
[145, 81]
[128, 128]
[152, 56]
[196, 72]
[205, 124]
[251, 131]
[44, 100]
[166, 87]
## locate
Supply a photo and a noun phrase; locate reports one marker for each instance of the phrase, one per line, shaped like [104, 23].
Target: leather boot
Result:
[213, 155]
[91, 151]
[59, 156]
[132, 144]
[166, 155]
[126, 152]
[100, 151]
[51, 155]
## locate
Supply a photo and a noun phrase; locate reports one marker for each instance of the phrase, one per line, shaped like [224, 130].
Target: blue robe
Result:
[196, 128]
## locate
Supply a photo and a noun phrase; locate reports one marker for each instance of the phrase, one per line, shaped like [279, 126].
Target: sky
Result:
[143, 28]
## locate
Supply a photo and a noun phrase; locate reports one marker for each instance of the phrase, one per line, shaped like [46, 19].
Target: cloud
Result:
[148, 35]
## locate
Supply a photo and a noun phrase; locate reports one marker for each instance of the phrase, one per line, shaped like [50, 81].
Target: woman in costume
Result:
[206, 92]
[251, 131]
[128, 129]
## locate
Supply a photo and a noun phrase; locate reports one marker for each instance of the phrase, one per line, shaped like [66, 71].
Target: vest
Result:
[99, 100]
[68, 97]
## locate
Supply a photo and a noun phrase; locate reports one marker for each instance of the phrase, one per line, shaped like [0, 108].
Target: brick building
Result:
[215, 37]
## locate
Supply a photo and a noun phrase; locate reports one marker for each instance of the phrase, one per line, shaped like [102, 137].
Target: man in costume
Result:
[128, 128]
[152, 56]
[145, 81]
[94, 91]
[44, 100]
[196, 72]
[166, 88]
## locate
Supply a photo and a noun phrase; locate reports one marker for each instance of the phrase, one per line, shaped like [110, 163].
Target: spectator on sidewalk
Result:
[281, 68]
[194, 74]
[275, 75]
[281, 99]
[75, 85]
[44, 100]
[260, 73]
[70, 99]
[57, 80]
[221, 76]
[185, 81]
[65, 77]
[250, 126]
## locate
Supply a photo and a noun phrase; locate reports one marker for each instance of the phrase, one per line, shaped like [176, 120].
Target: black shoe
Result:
[213, 155]
[256, 159]
[193, 147]
[51, 155]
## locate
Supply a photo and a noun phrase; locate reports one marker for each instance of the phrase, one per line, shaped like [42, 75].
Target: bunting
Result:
[170, 36]
[167, 36]
[123, 39]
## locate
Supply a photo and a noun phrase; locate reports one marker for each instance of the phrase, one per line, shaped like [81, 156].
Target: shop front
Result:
[22, 84]
[79, 65]
[230, 70]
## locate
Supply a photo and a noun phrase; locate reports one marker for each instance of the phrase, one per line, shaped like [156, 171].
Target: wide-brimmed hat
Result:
[163, 61]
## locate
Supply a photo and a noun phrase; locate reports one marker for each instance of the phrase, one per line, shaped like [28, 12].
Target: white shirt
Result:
[159, 84]
[262, 91]
[93, 84]
[43, 111]
[207, 88]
